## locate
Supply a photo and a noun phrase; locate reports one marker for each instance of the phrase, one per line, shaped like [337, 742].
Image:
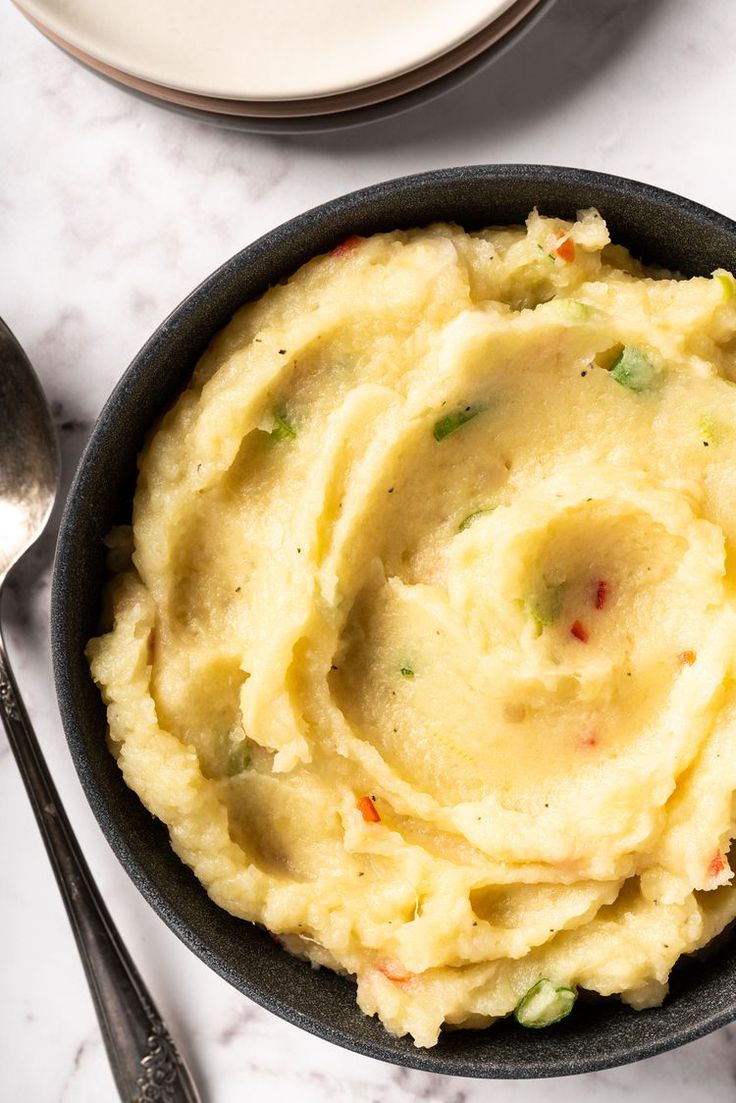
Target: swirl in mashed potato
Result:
[425, 651]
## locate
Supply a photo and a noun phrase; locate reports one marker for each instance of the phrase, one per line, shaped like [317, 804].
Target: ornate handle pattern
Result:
[145, 1063]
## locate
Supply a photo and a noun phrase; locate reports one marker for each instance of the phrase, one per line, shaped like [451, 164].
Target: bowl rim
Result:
[351, 207]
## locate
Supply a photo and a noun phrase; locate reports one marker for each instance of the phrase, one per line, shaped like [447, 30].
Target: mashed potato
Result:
[422, 642]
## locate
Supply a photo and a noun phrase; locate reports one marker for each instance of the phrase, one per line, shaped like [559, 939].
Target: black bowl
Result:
[658, 227]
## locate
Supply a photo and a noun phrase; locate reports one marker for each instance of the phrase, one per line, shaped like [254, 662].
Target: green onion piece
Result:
[632, 368]
[455, 420]
[728, 283]
[711, 430]
[575, 310]
[468, 521]
[407, 672]
[239, 760]
[544, 1004]
[547, 606]
[282, 430]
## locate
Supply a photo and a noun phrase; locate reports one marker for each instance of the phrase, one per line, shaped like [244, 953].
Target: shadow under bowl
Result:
[655, 225]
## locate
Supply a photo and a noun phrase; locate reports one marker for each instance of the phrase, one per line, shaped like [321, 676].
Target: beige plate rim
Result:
[367, 96]
[164, 34]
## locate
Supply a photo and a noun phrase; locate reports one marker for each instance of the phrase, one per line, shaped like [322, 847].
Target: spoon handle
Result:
[145, 1063]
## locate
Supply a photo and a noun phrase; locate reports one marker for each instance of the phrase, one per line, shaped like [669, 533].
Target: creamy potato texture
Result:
[425, 651]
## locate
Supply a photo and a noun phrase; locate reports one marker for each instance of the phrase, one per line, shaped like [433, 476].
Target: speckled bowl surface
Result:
[658, 227]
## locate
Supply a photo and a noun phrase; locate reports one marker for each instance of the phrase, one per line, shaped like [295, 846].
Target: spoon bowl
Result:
[29, 454]
[142, 1055]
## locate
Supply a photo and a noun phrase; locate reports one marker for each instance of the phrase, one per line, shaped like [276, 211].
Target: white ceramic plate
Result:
[265, 49]
[460, 60]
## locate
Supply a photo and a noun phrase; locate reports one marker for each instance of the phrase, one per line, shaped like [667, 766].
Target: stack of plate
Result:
[284, 65]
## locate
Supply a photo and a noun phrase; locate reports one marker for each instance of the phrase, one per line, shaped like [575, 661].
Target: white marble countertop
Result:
[110, 212]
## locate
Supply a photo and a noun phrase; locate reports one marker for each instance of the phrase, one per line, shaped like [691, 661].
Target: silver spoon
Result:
[145, 1063]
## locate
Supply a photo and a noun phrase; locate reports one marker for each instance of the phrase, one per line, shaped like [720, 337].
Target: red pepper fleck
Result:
[601, 594]
[686, 657]
[395, 971]
[579, 631]
[368, 810]
[346, 245]
[589, 740]
[717, 864]
[565, 249]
